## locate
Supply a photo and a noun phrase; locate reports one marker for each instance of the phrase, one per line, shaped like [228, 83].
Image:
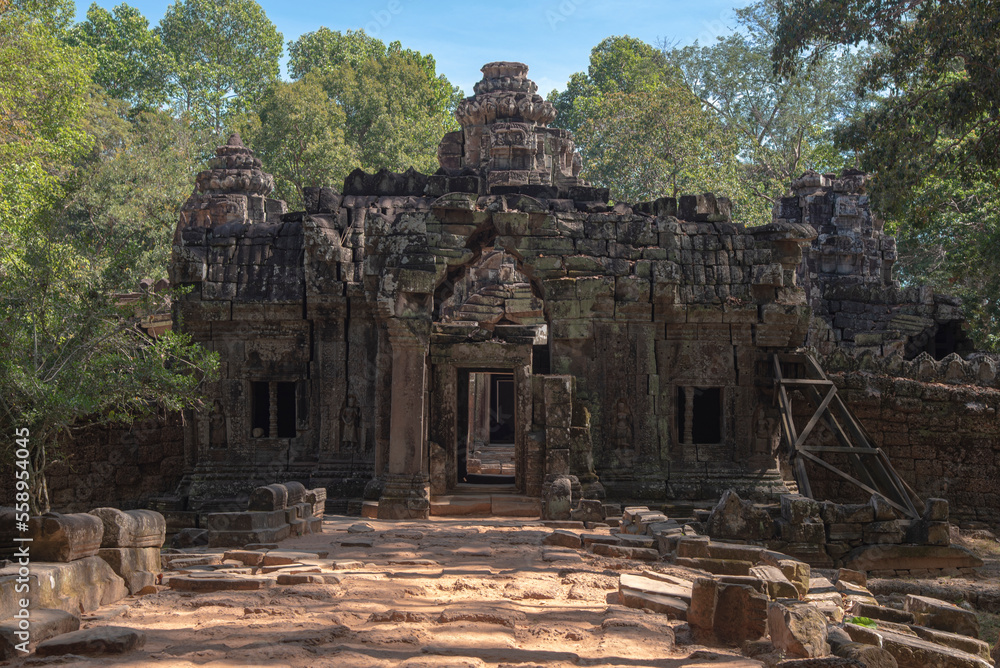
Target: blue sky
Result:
[554, 37]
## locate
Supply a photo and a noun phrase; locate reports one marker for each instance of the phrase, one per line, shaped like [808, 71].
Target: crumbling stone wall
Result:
[121, 467]
[847, 273]
[941, 437]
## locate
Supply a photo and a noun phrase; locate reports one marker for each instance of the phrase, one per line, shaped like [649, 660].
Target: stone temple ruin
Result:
[500, 322]
[498, 338]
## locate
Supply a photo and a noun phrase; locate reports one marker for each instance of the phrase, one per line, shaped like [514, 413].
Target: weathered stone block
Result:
[44, 624]
[65, 538]
[798, 628]
[942, 615]
[131, 528]
[137, 566]
[269, 498]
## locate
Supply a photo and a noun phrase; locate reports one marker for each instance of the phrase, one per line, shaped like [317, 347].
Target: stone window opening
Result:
[699, 415]
[272, 409]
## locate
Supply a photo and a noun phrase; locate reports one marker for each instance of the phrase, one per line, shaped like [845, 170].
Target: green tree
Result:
[225, 56]
[131, 62]
[43, 85]
[932, 134]
[933, 76]
[784, 124]
[125, 194]
[72, 355]
[299, 135]
[642, 131]
[617, 65]
[56, 15]
[396, 106]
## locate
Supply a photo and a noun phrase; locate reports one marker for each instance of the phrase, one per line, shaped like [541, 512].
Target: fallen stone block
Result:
[96, 641]
[137, 566]
[588, 510]
[44, 624]
[868, 656]
[674, 608]
[739, 519]
[885, 614]
[798, 628]
[717, 566]
[64, 538]
[131, 528]
[650, 585]
[299, 579]
[914, 652]
[247, 557]
[734, 551]
[942, 615]
[964, 643]
[636, 541]
[268, 498]
[728, 613]
[285, 557]
[592, 538]
[620, 552]
[563, 538]
[218, 583]
[778, 586]
[870, 558]
[797, 571]
[181, 561]
[693, 547]
[77, 586]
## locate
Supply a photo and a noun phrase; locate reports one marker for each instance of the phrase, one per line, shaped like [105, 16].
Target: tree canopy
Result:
[225, 55]
[784, 124]
[931, 134]
[642, 131]
[355, 102]
[131, 63]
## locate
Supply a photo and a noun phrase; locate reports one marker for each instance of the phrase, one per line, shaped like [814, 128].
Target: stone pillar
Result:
[688, 415]
[272, 394]
[406, 494]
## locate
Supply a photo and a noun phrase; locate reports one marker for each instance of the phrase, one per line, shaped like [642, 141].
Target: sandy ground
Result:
[487, 597]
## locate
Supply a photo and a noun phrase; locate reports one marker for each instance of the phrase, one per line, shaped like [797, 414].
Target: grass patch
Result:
[865, 621]
[989, 627]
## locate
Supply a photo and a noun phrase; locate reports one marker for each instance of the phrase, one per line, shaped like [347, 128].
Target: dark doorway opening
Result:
[705, 410]
[260, 401]
[486, 427]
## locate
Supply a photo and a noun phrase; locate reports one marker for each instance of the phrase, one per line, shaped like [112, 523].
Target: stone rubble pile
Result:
[772, 604]
[868, 537]
[274, 512]
[80, 562]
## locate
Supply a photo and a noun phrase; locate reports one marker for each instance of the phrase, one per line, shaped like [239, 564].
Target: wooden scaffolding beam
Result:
[873, 472]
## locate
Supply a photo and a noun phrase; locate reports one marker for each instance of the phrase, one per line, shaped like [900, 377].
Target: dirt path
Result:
[487, 594]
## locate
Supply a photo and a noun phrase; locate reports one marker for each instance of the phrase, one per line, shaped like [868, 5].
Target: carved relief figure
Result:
[217, 426]
[349, 417]
[623, 426]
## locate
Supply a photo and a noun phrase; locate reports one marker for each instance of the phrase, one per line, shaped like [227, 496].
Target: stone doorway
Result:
[488, 454]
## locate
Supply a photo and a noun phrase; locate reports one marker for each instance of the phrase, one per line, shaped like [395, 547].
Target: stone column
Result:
[688, 415]
[406, 494]
[272, 393]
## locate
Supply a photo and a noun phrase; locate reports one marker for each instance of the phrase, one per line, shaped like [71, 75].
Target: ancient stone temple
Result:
[501, 322]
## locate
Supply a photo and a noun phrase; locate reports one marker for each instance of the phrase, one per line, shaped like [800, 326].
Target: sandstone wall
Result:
[943, 439]
[119, 467]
